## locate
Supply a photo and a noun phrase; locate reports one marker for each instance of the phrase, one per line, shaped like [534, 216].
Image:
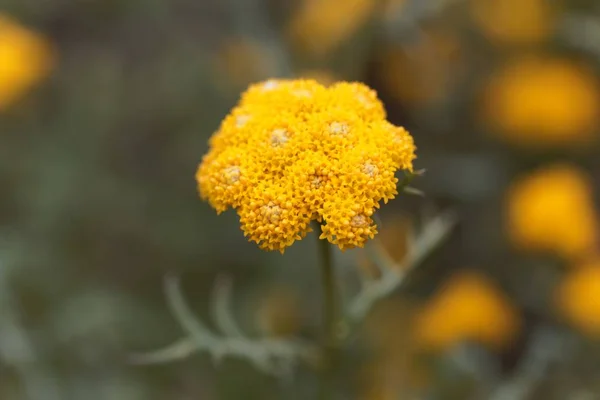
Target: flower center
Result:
[279, 137]
[316, 182]
[271, 211]
[370, 169]
[232, 174]
[338, 128]
[359, 221]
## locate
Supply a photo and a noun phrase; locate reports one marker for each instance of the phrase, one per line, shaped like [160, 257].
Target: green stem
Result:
[330, 319]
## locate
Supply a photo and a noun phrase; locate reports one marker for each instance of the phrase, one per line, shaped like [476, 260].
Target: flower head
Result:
[552, 210]
[293, 151]
[320, 26]
[577, 298]
[543, 102]
[280, 312]
[469, 307]
[25, 59]
[514, 22]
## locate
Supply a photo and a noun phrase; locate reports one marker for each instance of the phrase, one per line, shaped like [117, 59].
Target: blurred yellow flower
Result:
[25, 59]
[393, 368]
[514, 21]
[319, 26]
[280, 313]
[467, 308]
[241, 61]
[578, 298]
[293, 151]
[552, 210]
[543, 102]
[421, 72]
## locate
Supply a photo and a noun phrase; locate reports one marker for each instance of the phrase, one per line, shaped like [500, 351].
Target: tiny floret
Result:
[370, 169]
[294, 151]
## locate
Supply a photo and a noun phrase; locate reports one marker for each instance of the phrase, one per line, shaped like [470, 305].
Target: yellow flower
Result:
[25, 59]
[468, 307]
[293, 151]
[423, 72]
[321, 25]
[393, 366]
[578, 298]
[514, 21]
[543, 102]
[280, 313]
[552, 210]
[240, 61]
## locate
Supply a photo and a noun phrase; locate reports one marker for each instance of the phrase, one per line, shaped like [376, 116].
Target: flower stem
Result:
[330, 320]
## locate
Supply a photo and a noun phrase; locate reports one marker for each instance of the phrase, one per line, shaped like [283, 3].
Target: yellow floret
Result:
[293, 151]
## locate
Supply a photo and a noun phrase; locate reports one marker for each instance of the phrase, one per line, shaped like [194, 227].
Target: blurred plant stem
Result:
[18, 351]
[329, 342]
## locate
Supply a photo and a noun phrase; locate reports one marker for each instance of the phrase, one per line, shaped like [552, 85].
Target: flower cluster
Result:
[293, 151]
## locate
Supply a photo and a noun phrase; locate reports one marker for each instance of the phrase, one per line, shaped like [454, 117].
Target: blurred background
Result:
[106, 107]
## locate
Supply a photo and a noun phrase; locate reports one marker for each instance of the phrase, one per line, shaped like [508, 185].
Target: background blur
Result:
[106, 107]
